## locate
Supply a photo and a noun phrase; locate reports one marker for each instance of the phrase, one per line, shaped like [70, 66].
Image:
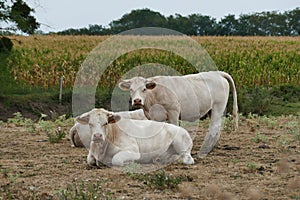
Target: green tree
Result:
[267, 24]
[137, 19]
[180, 23]
[258, 23]
[294, 21]
[16, 14]
[202, 25]
[228, 25]
[248, 25]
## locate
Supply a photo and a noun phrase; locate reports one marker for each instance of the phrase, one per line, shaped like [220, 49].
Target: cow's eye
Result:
[91, 125]
[105, 124]
[144, 90]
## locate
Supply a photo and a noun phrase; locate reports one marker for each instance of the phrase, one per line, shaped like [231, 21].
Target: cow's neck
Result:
[112, 129]
[149, 101]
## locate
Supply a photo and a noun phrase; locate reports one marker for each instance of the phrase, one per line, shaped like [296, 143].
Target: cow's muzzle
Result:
[98, 137]
[137, 102]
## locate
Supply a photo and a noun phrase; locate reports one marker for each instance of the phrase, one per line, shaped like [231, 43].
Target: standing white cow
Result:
[188, 98]
[117, 141]
[80, 135]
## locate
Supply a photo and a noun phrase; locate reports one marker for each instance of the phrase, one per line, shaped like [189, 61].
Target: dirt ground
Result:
[259, 161]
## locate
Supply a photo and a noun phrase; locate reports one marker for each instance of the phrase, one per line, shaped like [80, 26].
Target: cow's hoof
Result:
[202, 155]
[188, 160]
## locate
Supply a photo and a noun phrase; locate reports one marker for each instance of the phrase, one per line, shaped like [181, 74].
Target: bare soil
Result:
[259, 161]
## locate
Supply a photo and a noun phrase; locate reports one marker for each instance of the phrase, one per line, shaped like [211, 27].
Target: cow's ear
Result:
[125, 85]
[113, 118]
[83, 119]
[150, 85]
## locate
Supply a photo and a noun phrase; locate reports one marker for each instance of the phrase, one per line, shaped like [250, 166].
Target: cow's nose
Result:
[98, 137]
[137, 101]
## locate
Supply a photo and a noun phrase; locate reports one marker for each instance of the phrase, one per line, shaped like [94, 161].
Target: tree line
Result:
[268, 23]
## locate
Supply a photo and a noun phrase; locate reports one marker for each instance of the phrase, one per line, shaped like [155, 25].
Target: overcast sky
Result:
[57, 15]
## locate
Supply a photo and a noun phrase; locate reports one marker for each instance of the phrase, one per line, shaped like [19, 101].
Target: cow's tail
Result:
[234, 94]
[72, 134]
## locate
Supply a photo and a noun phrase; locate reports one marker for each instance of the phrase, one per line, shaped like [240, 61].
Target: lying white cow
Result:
[117, 141]
[188, 98]
[80, 135]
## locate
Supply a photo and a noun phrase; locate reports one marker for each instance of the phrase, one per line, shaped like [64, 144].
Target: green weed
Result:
[293, 127]
[161, 180]
[54, 129]
[82, 190]
[64, 121]
[267, 121]
[259, 138]
[132, 169]
[56, 136]
[228, 123]
[19, 120]
[285, 141]
[252, 166]
[4, 173]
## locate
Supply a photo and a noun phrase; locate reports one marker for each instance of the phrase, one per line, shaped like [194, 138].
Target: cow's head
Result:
[139, 88]
[98, 119]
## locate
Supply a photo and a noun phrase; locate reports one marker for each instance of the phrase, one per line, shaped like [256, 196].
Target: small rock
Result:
[264, 146]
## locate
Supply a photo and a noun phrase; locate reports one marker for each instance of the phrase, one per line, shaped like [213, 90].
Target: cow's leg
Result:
[213, 135]
[173, 117]
[122, 157]
[91, 160]
[183, 144]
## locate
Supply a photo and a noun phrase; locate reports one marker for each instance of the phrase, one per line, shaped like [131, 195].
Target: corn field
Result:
[252, 61]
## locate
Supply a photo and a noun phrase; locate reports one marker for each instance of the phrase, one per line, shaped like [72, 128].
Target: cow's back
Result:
[195, 92]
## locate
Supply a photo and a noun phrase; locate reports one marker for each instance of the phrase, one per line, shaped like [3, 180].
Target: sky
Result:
[57, 15]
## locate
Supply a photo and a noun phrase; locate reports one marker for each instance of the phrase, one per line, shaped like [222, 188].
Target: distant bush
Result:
[5, 44]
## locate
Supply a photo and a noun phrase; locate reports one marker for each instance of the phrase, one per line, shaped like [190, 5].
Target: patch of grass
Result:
[235, 160]
[259, 138]
[161, 180]
[82, 190]
[64, 121]
[55, 129]
[19, 120]
[13, 178]
[252, 166]
[269, 122]
[296, 197]
[293, 127]
[46, 126]
[4, 173]
[297, 136]
[57, 136]
[132, 169]
[228, 123]
[254, 99]
[273, 100]
[284, 142]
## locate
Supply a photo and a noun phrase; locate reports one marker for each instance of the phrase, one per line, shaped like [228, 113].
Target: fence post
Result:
[60, 88]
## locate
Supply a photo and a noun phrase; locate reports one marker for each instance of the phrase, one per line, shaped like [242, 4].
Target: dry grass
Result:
[32, 167]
